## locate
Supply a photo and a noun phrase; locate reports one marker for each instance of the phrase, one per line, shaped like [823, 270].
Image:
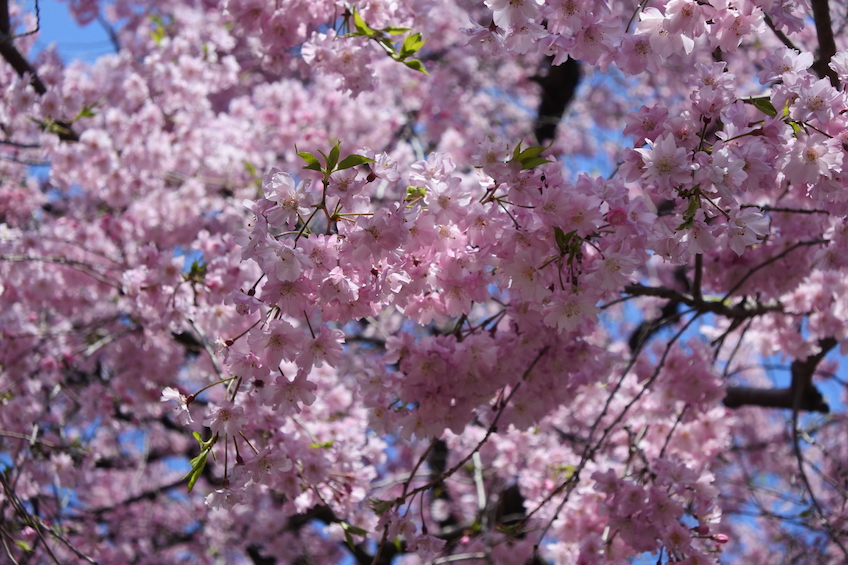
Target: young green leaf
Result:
[530, 152]
[361, 27]
[563, 240]
[416, 65]
[321, 445]
[158, 32]
[689, 214]
[414, 192]
[86, 112]
[530, 157]
[197, 466]
[533, 162]
[349, 541]
[312, 162]
[24, 545]
[516, 152]
[381, 506]
[197, 273]
[353, 529]
[334, 156]
[412, 43]
[352, 161]
[765, 106]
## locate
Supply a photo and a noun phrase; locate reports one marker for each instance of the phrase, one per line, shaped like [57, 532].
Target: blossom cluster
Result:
[424, 344]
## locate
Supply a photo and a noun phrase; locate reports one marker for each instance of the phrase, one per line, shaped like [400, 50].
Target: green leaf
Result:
[529, 157]
[197, 272]
[511, 529]
[563, 240]
[349, 540]
[689, 214]
[413, 192]
[86, 112]
[381, 506]
[322, 445]
[361, 27]
[312, 162]
[24, 545]
[530, 152]
[394, 30]
[158, 32]
[207, 444]
[692, 209]
[765, 106]
[352, 161]
[516, 152]
[566, 470]
[533, 162]
[250, 169]
[51, 126]
[334, 156]
[411, 44]
[353, 529]
[197, 466]
[416, 65]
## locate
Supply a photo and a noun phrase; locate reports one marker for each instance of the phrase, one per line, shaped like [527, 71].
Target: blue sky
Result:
[73, 42]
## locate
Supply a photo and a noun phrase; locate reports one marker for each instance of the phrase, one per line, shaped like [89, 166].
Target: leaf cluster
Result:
[198, 464]
[331, 161]
[400, 51]
[530, 157]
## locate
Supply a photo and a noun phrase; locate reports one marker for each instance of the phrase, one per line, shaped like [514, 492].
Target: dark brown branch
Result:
[738, 396]
[110, 31]
[780, 35]
[802, 372]
[787, 210]
[150, 494]
[18, 62]
[11, 53]
[771, 260]
[740, 311]
[827, 45]
[802, 393]
[558, 87]
[802, 375]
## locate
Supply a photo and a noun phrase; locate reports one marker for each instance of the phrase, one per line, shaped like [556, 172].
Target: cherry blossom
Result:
[296, 282]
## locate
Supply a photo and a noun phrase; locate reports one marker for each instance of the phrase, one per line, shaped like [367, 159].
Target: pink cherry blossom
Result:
[414, 333]
[665, 163]
[225, 419]
[811, 157]
[183, 415]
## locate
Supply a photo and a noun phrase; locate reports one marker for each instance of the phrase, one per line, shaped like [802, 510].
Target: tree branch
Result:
[827, 45]
[801, 394]
[740, 311]
[558, 88]
[14, 57]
